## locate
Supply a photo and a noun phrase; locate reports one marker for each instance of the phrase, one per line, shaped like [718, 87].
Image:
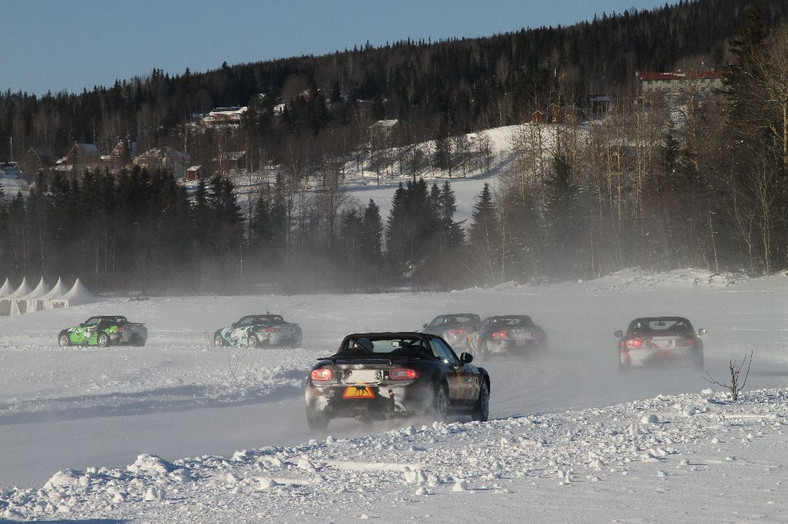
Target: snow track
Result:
[90, 432]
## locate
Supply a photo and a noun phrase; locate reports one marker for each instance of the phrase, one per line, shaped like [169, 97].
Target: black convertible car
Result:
[454, 328]
[377, 376]
[513, 334]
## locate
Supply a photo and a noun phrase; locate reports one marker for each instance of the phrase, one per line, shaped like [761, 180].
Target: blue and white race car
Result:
[259, 331]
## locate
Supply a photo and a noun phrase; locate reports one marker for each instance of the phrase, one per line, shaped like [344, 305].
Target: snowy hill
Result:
[105, 433]
[364, 182]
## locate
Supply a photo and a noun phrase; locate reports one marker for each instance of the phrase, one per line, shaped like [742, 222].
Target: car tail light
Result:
[322, 374]
[123, 328]
[271, 330]
[458, 331]
[499, 334]
[635, 343]
[403, 374]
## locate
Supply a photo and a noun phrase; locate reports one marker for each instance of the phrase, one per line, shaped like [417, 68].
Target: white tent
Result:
[54, 298]
[57, 291]
[7, 302]
[33, 301]
[23, 289]
[6, 289]
[78, 294]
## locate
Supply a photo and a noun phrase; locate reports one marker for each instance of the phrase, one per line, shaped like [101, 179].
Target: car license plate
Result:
[358, 392]
[362, 376]
[522, 336]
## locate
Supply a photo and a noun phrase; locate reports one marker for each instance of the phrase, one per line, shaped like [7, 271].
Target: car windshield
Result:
[661, 326]
[269, 319]
[461, 319]
[260, 319]
[393, 346]
[513, 321]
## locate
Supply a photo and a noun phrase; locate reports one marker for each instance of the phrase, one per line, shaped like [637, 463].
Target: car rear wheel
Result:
[441, 403]
[63, 340]
[481, 411]
[103, 340]
[316, 420]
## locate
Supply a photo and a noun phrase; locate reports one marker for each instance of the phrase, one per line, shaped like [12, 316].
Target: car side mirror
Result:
[466, 358]
[235, 324]
[702, 332]
[618, 334]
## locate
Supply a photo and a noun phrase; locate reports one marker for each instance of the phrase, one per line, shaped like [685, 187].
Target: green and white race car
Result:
[104, 331]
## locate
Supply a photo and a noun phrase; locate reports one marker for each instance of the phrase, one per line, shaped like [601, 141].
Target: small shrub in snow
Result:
[736, 385]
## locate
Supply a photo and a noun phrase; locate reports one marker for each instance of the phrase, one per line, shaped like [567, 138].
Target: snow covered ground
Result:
[179, 431]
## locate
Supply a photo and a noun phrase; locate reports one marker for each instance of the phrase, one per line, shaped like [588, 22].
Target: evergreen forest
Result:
[661, 180]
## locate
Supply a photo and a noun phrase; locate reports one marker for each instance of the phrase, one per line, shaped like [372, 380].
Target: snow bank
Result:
[672, 443]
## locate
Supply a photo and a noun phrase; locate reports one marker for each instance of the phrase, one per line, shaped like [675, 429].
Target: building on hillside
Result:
[224, 116]
[38, 160]
[79, 158]
[555, 114]
[598, 106]
[675, 85]
[165, 158]
[122, 155]
[194, 173]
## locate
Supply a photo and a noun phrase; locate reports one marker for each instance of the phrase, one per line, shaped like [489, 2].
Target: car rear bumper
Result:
[510, 346]
[387, 401]
[654, 358]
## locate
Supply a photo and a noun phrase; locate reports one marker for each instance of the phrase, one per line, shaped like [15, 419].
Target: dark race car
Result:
[513, 334]
[454, 328]
[259, 331]
[104, 331]
[651, 341]
[377, 376]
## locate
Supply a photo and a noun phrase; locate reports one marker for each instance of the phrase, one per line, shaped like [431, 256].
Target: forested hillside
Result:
[465, 85]
[693, 177]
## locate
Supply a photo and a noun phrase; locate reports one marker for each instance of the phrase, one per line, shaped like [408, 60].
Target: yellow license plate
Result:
[358, 392]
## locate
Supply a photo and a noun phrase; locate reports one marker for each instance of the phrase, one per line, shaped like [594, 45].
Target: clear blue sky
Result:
[56, 45]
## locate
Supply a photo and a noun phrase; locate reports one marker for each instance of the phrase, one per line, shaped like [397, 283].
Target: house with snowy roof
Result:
[80, 157]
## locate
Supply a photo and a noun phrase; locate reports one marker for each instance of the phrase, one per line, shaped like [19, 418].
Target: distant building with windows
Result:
[676, 82]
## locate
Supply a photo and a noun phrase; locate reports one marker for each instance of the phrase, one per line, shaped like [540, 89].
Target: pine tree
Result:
[413, 228]
[371, 235]
[452, 235]
[484, 235]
